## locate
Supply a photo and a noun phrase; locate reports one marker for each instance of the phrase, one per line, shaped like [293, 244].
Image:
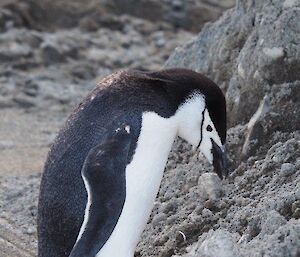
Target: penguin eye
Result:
[209, 128]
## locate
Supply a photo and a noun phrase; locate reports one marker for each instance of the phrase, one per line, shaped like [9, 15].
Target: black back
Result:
[120, 98]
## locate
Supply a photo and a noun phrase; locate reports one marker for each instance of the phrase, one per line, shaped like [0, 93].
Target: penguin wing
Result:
[103, 174]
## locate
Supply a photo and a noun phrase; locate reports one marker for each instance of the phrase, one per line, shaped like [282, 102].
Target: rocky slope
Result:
[252, 52]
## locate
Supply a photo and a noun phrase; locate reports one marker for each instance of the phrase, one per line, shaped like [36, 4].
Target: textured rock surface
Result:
[253, 47]
[92, 14]
[253, 52]
[190, 15]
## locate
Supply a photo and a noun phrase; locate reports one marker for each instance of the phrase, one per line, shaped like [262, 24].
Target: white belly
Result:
[143, 177]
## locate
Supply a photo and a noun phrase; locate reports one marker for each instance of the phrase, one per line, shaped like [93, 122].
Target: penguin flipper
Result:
[103, 174]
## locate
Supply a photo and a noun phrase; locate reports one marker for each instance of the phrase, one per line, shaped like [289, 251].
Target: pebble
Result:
[210, 186]
[30, 231]
[51, 54]
[219, 243]
[274, 52]
[206, 213]
[6, 144]
[287, 169]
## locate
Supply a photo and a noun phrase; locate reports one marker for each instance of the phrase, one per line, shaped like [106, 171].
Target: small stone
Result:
[24, 102]
[161, 42]
[210, 186]
[210, 204]
[51, 54]
[241, 71]
[297, 194]
[88, 24]
[31, 88]
[169, 207]
[296, 205]
[177, 4]
[6, 144]
[274, 53]
[287, 169]
[290, 3]
[219, 243]
[206, 213]
[158, 218]
[296, 214]
[30, 231]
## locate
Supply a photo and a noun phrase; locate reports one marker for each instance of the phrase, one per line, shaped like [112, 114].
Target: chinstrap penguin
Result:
[158, 106]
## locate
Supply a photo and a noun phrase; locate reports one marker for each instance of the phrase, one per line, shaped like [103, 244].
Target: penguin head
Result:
[201, 112]
[202, 123]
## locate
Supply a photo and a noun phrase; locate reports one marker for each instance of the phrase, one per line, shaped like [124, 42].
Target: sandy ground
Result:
[24, 140]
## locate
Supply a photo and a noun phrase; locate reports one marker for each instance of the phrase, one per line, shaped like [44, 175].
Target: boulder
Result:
[248, 51]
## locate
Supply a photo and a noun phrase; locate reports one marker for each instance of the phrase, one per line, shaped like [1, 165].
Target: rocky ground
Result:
[252, 52]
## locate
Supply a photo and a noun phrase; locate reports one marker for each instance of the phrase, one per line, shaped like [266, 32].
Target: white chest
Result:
[143, 177]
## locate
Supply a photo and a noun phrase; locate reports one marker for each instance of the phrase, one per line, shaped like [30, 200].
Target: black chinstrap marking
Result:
[201, 132]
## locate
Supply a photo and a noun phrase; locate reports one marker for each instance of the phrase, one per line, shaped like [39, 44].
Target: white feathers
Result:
[143, 177]
[87, 208]
[189, 118]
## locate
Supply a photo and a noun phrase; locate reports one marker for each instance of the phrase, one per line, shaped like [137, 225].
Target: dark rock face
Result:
[251, 48]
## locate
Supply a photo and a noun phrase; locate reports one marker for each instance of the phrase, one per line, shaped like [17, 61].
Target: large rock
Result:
[249, 50]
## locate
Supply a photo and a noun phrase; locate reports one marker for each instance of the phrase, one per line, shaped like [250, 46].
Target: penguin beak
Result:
[219, 160]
